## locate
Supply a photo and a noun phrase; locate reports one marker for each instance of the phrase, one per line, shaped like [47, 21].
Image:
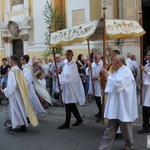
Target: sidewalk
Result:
[46, 136]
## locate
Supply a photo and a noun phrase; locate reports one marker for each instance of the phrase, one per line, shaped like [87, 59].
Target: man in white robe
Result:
[17, 111]
[72, 91]
[121, 105]
[146, 96]
[95, 85]
[34, 100]
[129, 63]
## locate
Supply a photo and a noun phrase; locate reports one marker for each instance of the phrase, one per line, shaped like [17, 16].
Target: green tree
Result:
[54, 21]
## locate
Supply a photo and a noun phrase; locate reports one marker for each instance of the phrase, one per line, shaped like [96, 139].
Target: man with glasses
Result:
[60, 64]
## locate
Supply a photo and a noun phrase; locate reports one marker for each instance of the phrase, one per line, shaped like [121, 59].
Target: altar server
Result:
[121, 105]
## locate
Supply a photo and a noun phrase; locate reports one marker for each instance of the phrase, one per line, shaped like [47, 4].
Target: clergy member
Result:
[121, 105]
[34, 100]
[146, 96]
[95, 85]
[72, 91]
[17, 94]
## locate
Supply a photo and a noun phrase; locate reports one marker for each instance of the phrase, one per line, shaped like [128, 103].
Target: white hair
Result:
[57, 55]
[121, 58]
[86, 57]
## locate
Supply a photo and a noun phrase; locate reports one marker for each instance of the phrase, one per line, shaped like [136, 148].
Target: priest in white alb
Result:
[34, 100]
[121, 105]
[17, 94]
[72, 91]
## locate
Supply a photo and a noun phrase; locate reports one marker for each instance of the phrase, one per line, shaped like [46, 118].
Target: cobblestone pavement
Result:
[46, 136]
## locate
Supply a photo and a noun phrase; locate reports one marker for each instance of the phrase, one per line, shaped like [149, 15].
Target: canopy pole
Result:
[104, 60]
[90, 66]
[60, 91]
[141, 56]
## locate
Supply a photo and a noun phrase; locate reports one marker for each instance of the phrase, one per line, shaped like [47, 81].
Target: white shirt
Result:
[72, 86]
[46, 69]
[96, 68]
[122, 99]
[130, 63]
[43, 82]
[146, 87]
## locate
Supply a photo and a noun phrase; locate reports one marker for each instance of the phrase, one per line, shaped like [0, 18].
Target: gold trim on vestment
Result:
[23, 87]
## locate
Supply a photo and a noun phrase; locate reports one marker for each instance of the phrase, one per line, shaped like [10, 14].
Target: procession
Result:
[86, 88]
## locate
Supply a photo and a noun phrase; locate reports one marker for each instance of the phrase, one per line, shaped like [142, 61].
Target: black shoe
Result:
[99, 120]
[143, 131]
[63, 127]
[97, 115]
[12, 131]
[118, 135]
[21, 129]
[77, 123]
[28, 120]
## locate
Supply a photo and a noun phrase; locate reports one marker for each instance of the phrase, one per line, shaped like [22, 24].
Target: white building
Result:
[27, 36]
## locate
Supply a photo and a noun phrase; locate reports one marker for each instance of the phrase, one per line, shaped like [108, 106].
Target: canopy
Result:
[93, 31]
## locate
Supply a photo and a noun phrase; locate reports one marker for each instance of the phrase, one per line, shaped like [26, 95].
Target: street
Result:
[46, 136]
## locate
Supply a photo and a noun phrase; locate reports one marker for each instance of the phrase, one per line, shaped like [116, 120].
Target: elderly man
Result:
[94, 85]
[72, 91]
[121, 105]
[129, 61]
[60, 65]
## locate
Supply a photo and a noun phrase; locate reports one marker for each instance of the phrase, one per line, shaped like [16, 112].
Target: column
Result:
[7, 5]
[121, 14]
[110, 8]
[8, 49]
[26, 3]
[25, 39]
[25, 47]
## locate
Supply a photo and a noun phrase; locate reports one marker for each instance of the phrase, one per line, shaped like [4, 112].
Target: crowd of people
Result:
[80, 81]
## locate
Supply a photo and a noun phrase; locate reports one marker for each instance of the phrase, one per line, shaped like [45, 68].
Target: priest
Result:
[121, 105]
[17, 94]
[34, 100]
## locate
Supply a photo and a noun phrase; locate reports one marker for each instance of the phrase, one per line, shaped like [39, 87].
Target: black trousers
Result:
[146, 116]
[71, 108]
[99, 105]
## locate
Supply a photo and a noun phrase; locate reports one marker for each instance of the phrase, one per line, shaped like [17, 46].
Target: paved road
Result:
[47, 137]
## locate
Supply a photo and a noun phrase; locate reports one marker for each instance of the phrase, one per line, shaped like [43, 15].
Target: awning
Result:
[93, 31]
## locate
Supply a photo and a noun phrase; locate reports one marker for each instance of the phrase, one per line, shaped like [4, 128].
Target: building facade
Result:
[22, 26]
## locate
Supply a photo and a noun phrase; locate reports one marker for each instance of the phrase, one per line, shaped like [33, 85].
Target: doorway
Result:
[18, 49]
[146, 26]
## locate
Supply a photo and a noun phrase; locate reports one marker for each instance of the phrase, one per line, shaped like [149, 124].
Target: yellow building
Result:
[22, 25]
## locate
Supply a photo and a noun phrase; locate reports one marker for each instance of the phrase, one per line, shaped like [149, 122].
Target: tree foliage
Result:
[54, 20]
